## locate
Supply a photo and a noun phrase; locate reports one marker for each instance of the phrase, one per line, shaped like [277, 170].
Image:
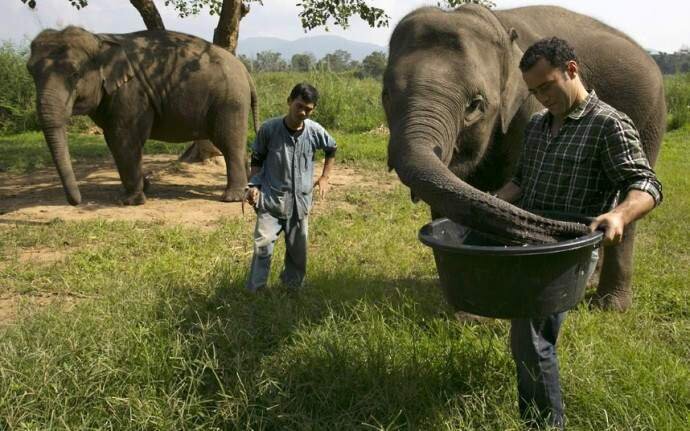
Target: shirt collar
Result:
[584, 107]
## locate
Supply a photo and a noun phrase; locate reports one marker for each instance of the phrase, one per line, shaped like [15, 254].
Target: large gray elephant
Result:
[457, 107]
[150, 84]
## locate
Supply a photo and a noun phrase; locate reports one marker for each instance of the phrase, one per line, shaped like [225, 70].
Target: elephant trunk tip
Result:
[74, 198]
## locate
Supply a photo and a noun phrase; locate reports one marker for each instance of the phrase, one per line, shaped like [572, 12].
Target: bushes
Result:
[17, 92]
[677, 100]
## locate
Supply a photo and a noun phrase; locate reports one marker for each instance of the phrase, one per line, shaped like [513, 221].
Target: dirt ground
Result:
[180, 193]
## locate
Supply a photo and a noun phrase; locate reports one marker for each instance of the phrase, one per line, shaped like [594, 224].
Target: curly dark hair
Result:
[556, 51]
[307, 92]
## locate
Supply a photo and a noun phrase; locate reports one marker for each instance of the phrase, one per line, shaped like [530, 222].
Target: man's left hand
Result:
[612, 224]
[322, 184]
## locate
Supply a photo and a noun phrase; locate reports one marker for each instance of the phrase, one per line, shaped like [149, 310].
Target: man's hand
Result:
[322, 184]
[252, 196]
[613, 225]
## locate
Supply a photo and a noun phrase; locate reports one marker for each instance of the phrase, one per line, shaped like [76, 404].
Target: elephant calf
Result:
[150, 84]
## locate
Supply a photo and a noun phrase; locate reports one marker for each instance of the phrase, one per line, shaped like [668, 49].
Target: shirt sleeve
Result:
[327, 143]
[259, 153]
[260, 147]
[624, 160]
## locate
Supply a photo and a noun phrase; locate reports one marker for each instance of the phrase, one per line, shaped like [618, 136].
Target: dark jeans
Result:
[533, 344]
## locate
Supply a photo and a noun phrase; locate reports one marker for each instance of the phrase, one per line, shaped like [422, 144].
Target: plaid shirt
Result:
[595, 156]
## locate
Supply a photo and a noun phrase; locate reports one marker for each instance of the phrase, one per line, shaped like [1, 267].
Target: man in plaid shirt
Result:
[580, 156]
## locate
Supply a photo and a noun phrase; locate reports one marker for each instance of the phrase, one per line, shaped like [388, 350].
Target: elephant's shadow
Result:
[101, 188]
[256, 337]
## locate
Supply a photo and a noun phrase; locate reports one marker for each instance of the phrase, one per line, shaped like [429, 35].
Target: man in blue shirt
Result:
[281, 184]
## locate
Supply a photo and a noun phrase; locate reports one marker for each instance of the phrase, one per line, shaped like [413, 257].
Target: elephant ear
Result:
[513, 90]
[115, 68]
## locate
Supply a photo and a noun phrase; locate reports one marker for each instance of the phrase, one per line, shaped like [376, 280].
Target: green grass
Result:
[163, 335]
[677, 89]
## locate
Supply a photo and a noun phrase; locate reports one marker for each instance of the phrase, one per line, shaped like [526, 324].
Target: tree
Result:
[269, 61]
[337, 61]
[373, 65]
[304, 62]
[248, 62]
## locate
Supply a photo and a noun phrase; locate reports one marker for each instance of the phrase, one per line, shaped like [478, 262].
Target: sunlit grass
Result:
[163, 336]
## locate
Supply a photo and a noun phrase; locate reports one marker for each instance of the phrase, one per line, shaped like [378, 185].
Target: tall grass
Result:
[347, 104]
[678, 100]
[164, 336]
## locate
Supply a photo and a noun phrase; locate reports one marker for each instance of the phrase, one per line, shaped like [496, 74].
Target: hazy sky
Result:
[663, 25]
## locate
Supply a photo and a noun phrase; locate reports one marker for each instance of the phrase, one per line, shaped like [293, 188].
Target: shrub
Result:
[17, 92]
[677, 100]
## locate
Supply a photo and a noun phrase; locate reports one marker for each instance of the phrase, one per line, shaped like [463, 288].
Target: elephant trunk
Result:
[54, 113]
[420, 150]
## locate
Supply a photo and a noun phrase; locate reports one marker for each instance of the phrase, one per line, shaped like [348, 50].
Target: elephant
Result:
[457, 107]
[150, 84]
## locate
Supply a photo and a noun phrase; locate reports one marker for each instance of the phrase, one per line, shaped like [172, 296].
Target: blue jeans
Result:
[533, 345]
[267, 230]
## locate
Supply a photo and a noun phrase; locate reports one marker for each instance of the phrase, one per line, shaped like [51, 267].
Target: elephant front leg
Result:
[614, 291]
[127, 152]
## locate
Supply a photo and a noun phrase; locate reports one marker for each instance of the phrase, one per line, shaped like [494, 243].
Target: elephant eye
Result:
[474, 110]
[476, 103]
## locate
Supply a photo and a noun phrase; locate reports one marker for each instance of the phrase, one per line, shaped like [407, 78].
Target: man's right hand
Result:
[252, 196]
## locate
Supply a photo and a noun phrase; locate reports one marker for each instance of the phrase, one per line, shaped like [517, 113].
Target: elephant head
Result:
[72, 70]
[452, 90]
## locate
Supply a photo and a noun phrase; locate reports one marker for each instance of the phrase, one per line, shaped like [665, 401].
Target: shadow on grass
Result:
[346, 351]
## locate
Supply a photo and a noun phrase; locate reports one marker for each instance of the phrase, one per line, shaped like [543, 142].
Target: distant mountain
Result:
[317, 45]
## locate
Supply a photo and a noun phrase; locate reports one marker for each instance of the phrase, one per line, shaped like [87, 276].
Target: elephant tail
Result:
[254, 104]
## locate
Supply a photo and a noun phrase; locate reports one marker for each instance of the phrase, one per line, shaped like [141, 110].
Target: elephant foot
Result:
[233, 195]
[619, 301]
[135, 199]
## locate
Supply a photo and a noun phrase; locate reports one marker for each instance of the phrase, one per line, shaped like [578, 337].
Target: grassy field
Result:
[152, 329]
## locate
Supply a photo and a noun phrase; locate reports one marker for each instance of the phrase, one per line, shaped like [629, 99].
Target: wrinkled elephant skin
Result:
[151, 84]
[457, 107]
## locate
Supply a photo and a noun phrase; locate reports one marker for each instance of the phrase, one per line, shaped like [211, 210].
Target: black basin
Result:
[485, 278]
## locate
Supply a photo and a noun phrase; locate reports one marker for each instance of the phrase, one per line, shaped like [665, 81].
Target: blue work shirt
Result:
[286, 176]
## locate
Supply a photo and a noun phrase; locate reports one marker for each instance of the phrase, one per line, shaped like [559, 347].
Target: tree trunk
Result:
[225, 36]
[149, 13]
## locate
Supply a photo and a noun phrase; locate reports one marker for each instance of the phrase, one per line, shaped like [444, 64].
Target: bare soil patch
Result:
[11, 306]
[180, 193]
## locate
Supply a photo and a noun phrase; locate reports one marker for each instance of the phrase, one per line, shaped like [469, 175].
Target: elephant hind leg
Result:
[614, 291]
[230, 137]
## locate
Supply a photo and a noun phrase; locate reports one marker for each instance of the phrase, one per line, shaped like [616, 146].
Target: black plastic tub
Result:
[485, 278]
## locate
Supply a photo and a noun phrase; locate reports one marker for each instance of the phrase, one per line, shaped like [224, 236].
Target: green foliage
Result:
[678, 100]
[456, 3]
[304, 62]
[677, 62]
[17, 91]
[373, 65]
[316, 13]
[346, 104]
[269, 61]
[337, 61]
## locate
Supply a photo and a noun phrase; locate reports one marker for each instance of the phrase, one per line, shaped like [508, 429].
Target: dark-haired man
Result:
[580, 156]
[281, 183]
